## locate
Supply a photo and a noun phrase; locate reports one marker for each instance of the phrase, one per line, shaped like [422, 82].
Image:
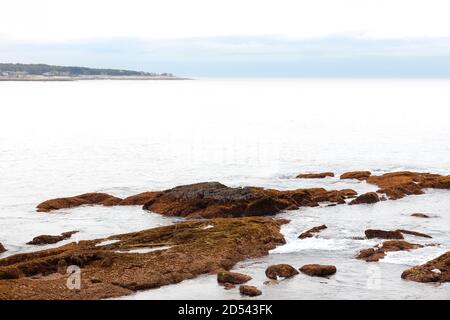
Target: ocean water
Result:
[125, 137]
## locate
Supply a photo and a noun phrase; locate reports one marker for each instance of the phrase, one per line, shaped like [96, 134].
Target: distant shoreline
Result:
[83, 78]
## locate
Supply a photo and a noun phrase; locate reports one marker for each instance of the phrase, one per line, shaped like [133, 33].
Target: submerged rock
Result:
[2, 248]
[82, 199]
[383, 234]
[420, 215]
[369, 197]
[317, 270]
[414, 233]
[48, 239]
[436, 270]
[379, 252]
[310, 233]
[280, 270]
[232, 277]
[250, 291]
[360, 175]
[315, 175]
[194, 251]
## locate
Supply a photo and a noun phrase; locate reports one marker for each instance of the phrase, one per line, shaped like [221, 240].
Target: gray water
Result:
[125, 137]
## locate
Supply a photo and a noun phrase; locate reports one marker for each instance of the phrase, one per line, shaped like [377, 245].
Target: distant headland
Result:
[44, 72]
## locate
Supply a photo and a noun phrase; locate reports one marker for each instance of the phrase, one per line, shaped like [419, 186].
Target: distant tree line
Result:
[44, 69]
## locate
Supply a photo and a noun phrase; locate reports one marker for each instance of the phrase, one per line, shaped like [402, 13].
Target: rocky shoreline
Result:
[222, 226]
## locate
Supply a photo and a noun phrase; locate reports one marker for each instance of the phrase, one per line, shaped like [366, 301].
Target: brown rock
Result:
[83, 199]
[436, 270]
[232, 277]
[369, 197]
[194, 251]
[48, 239]
[250, 291]
[397, 185]
[310, 233]
[360, 175]
[415, 233]
[317, 270]
[420, 215]
[379, 252]
[383, 234]
[280, 270]
[315, 175]
[140, 199]
[213, 199]
[2, 248]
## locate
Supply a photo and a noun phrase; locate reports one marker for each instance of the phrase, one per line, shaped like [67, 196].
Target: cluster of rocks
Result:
[111, 270]
[274, 272]
[210, 200]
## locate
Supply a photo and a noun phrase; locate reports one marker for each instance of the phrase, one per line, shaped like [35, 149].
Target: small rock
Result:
[249, 291]
[382, 234]
[379, 251]
[310, 233]
[315, 175]
[48, 239]
[280, 270]
[232, 277]
[317, 270]
[368, 198]
[420, 215]
[2, 248]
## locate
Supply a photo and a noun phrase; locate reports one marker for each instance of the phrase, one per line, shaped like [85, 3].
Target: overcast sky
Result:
[233, 37]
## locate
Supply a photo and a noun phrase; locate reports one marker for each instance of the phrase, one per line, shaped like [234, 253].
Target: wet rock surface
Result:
[139, 199]
[383, 234]
[76, 201]
[250, 291]
[368, 198]
[360, 175]
[280, 271]
[436, 270]
[49, 239]
[193, 250]
[315, 175]
[311, 232]
[379, 252]
[232, 277]
[318, 270]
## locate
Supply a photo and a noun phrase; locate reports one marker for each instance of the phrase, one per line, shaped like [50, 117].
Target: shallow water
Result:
[62, 139]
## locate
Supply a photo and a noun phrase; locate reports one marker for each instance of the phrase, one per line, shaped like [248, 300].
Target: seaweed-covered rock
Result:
[82, 199]
[436, 270]
[280, 271]
[232, 277]
[191, 250]
[318, 270]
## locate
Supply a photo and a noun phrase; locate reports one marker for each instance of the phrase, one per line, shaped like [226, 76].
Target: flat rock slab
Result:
[318, 270]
